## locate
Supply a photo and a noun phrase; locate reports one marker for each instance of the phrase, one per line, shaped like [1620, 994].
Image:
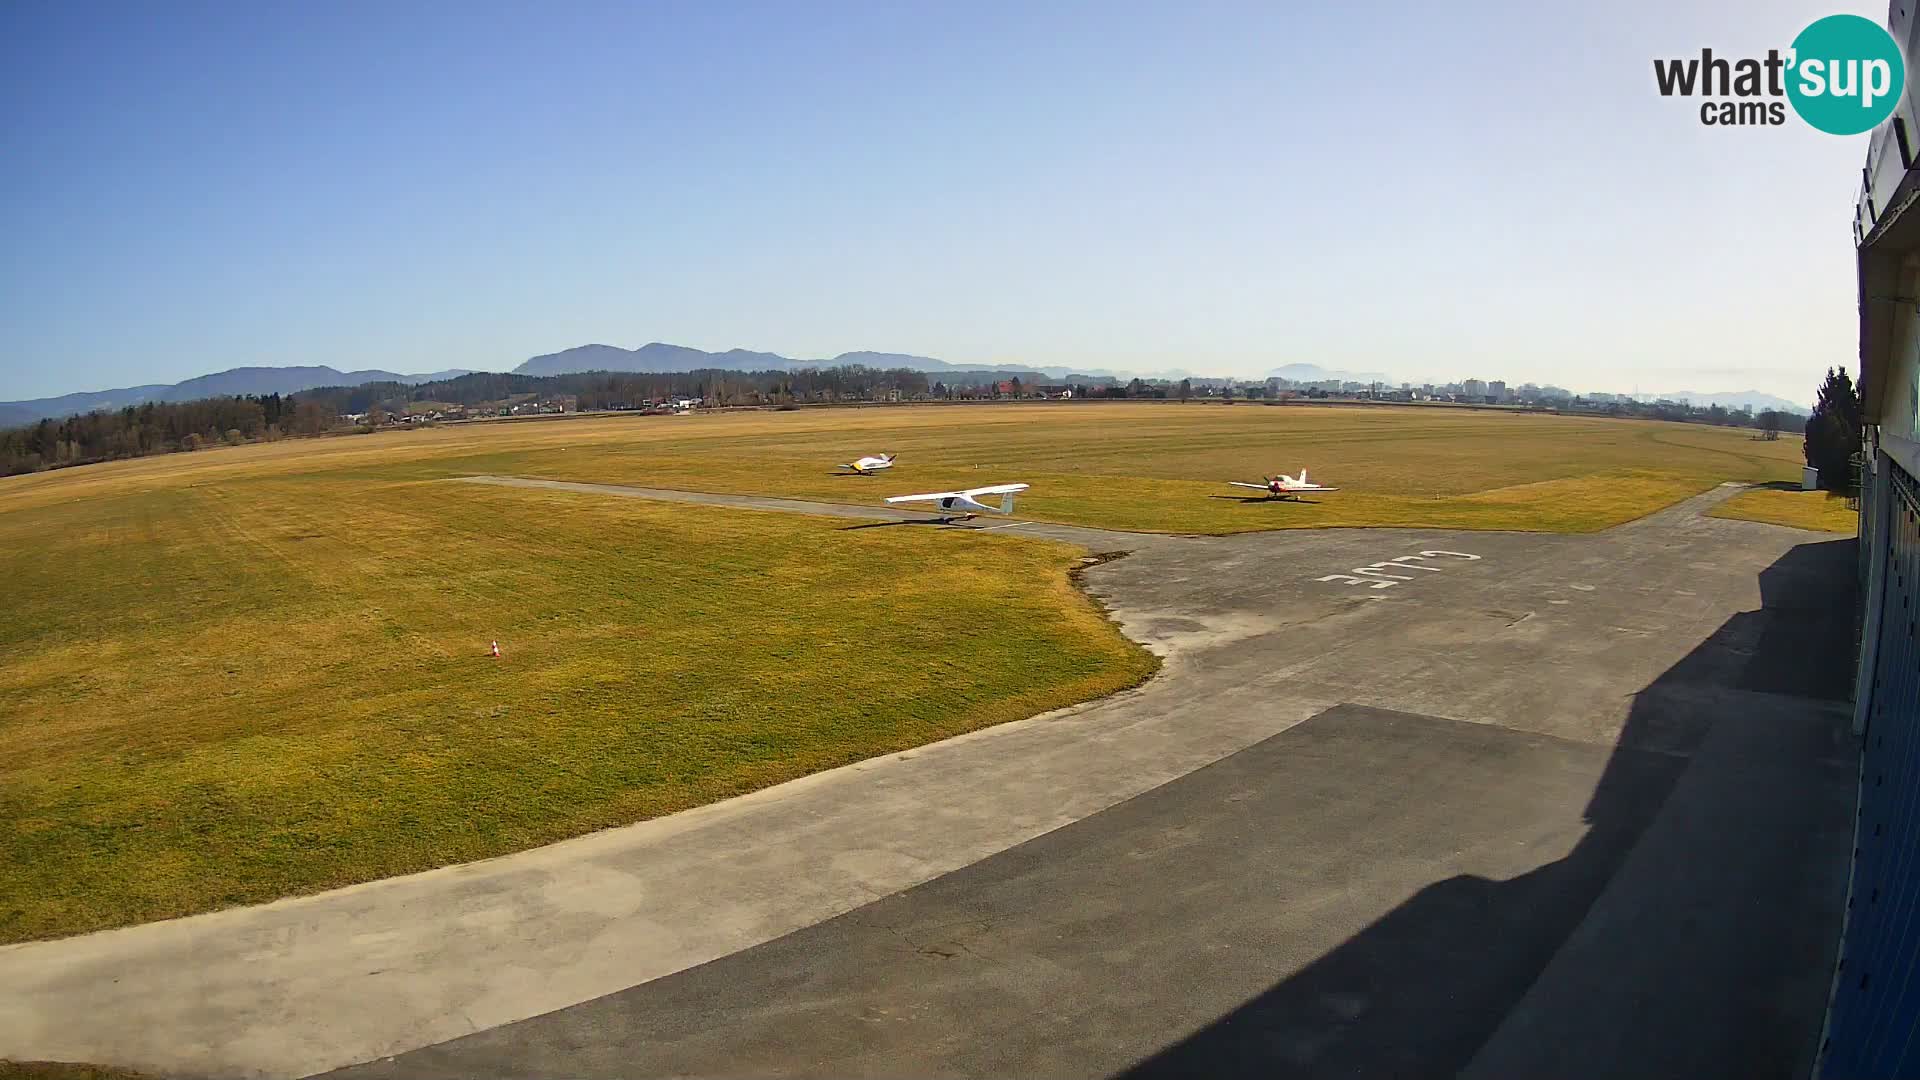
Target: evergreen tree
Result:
[1833, 431]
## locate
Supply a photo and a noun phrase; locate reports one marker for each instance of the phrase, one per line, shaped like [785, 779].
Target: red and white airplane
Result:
[1284, 486]
[961, 505]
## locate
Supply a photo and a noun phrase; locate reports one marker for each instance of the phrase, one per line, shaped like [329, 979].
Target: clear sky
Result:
[1432, 190]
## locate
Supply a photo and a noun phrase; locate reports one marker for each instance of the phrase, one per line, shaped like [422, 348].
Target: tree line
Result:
[170, 427]
[1769, 422]
[633, 389]
[1833, 432]
[157, 427]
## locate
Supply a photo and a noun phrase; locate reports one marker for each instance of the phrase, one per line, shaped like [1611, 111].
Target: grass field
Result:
[256, 671]
[1819, 511]
[1139, 466]
[1163, 467]
[227, 685]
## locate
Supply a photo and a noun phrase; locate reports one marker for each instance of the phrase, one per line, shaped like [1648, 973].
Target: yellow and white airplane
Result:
[867, 466]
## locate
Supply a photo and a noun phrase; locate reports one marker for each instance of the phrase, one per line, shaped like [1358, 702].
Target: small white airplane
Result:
[1284, 486]
[867, 466]
[962, 505]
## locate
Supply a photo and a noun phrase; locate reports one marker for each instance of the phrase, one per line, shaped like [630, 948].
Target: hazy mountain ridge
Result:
[659, 357]
[26, 412]
[230, 383]
[1749, 399]
[1316, 373]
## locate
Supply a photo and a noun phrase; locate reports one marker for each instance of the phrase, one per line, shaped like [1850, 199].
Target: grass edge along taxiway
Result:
[1815, 511]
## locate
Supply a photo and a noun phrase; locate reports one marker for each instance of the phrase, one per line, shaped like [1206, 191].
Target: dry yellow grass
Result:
[1819, 511]
[1139, 466]
[236, 684]
[254, 671]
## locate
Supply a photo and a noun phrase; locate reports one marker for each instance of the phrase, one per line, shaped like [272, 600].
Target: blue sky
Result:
[1435, 191]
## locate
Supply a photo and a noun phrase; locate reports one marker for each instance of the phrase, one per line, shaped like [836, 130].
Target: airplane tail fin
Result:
[1006, 503]
[1303, 474]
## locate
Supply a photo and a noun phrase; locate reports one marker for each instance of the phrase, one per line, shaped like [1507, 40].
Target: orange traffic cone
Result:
[496, 650]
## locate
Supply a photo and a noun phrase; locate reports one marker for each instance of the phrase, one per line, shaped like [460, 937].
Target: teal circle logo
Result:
[1846, 74]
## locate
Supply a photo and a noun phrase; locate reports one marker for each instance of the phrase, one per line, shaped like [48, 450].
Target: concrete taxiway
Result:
[1400, 801]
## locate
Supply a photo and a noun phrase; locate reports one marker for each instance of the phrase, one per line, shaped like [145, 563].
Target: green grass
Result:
[243, 687]
[1818, 511]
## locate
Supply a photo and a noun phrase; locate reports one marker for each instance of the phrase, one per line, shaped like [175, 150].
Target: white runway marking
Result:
[1008, 525]
[1385, 574]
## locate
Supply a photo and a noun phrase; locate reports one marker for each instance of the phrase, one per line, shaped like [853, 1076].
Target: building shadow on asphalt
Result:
[1708, 954]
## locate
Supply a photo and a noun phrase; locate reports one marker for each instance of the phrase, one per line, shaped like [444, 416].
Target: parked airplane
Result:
[967, 502]
[867, 466]
[1284, 486]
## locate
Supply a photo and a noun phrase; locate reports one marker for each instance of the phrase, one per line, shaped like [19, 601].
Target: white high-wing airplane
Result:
[1284, 486]
[867, 466]
[961, 505]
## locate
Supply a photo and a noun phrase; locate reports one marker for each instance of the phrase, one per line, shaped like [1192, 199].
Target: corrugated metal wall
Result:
[1873, 1026]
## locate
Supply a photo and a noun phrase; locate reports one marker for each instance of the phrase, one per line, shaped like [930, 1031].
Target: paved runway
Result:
[1089, 949]
[1400, 801]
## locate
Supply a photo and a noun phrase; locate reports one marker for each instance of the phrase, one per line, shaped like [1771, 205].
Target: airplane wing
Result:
[970, 493]
[1256, 487]
[933, 497]
[1313, 487]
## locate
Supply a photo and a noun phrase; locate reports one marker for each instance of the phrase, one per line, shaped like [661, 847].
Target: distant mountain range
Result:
[658, 357]
[662, 357]
[1316, 373]
[1742, 399]
[654, 357]
[243, 380]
